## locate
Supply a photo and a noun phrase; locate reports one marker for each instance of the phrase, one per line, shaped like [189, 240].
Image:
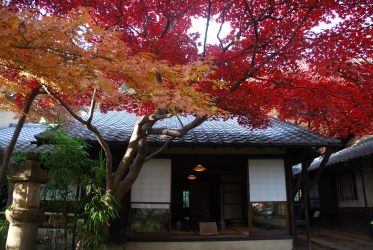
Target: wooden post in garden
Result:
[25, 215]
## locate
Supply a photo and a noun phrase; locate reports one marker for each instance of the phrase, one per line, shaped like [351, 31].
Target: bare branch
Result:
[178, 118]
[62, 103]
[220, 28]
[256, 33]
[207, 28]
[174, 16]
[153, 118]
[92, 107]
[164, 32]
[179, 132]
[137, 135]
[160, 150]
[134, 169]
[100, 139]
[328, 152]
[129, 154]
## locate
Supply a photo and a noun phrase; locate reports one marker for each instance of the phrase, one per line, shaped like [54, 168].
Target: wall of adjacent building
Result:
[351, 216]
[6, 118]
[366, 166]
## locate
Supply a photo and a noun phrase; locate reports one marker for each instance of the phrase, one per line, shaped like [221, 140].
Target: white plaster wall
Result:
[6, 118]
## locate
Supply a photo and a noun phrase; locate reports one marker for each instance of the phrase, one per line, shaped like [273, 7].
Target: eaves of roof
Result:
[359, 150]
[116, 127]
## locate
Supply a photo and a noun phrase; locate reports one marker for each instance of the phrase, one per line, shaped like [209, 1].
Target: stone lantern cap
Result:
[30, 171]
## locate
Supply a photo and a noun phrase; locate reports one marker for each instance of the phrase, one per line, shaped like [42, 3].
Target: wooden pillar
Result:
[291, 195]
[305, 194]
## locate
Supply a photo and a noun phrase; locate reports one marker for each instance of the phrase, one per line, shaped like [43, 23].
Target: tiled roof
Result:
[118, 126]
[361, 149]
[25, 138]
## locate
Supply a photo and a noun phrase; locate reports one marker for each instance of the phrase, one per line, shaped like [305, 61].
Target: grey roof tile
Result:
[117, 127]
[25, 138]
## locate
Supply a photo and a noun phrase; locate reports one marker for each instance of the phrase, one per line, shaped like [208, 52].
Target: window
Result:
[268, 216]
[151, 197]
[267, 195]
[150, 217]
[185, 198]
[314, 197]
[346, 186]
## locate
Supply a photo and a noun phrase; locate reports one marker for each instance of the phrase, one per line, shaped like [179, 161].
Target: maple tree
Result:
[138, 56]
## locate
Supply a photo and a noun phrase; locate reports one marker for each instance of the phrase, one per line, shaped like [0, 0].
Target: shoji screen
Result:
[154, 182]
[267, 180]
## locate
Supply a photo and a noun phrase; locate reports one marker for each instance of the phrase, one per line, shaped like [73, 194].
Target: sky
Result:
[199, 25]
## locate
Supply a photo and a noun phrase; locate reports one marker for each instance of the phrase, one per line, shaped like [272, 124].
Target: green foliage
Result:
[4, 225]
[150, 220]
[67, 162]
[64, 161]
[127, 233]
[20, 157]
[100, 208]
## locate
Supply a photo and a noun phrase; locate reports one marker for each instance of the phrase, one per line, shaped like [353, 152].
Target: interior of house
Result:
[211, 189]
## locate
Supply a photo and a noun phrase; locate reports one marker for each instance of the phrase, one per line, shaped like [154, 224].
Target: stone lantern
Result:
[25, 215]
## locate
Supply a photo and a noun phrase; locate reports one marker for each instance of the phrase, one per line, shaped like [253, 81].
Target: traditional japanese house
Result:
[235, 181]
[234, 178]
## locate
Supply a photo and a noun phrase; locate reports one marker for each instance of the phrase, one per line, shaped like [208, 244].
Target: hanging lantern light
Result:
[199, 168]
[192, 177]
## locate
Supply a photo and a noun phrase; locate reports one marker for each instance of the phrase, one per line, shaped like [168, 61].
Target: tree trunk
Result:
[17, 131]
[310, 183]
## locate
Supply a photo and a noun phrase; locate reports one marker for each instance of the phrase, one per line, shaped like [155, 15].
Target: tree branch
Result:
[128, 155]
[92, 107]
[207, 28]
[179, 132]
[137, 135]
[134, 169]
[164, 32]
[100, 139]
[149, 157]
[328, 152]
[256, 33]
